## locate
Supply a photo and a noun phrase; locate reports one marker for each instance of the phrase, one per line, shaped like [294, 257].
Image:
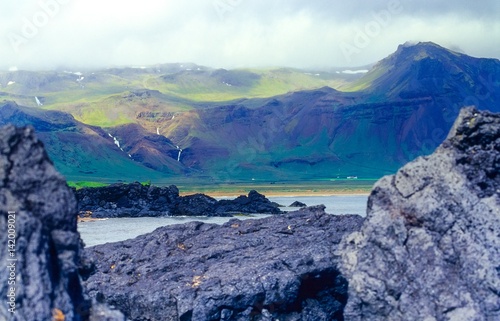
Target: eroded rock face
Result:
[430, 246]
[38, 211]
[281, 267]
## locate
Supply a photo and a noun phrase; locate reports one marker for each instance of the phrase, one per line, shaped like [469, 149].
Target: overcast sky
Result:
[74, 34]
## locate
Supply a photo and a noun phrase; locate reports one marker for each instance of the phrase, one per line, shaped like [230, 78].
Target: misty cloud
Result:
[236, 33]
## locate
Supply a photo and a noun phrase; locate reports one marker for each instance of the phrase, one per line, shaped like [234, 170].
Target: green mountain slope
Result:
[113, 97]
[79, 151]
[408, 105]
[402, 108]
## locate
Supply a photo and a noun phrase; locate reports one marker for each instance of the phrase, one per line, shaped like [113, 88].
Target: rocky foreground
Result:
[38, 216]
[137, 200]
[429, 249]
[281, 267]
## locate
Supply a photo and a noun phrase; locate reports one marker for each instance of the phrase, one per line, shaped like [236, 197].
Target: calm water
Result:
[119, 229]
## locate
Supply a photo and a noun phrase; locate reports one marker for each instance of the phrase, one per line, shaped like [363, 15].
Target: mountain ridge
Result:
[405, 109]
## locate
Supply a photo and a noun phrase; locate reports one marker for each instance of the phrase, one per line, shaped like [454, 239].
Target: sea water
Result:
[119, 229]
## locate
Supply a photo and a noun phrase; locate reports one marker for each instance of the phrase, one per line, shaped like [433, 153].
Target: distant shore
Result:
[89, 219]
[284, 189]
[355, 187]
[284, 193]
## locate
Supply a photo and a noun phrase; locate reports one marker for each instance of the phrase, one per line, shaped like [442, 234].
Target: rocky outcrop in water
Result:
[281, 267]
[137, 200]
[253, 203]
[40, 243]
[430, 246]
[297, 204]
[132, 200]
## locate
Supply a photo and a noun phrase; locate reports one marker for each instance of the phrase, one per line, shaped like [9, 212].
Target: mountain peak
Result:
[411, 63]
[421, 50]
[420, 44]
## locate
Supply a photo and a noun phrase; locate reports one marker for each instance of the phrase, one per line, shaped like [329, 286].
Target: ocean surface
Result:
[119, 229]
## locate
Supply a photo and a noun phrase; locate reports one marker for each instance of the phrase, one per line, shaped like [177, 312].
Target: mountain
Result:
[114, 96]
[83, 152]
[196, 122]
[404, 109]
[427, 69]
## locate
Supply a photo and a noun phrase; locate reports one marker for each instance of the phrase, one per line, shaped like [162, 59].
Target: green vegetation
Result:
[316, 187]
[106, 98]
[264, 83]
[366, 81]
[83, 184]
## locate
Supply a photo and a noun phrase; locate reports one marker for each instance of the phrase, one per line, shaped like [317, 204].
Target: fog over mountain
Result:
[50, 34]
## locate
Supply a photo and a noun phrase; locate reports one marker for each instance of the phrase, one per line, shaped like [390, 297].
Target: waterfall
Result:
[38, 101]
[117, 143]
[179, 156]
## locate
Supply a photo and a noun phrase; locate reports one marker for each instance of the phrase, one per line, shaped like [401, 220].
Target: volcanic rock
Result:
[297, 204]
[280, 267]
[127, 200]
[430, 246]
[137, 200]
[196, 205]
[40, 242]
[253, 203]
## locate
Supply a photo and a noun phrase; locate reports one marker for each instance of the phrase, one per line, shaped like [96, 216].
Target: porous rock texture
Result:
[47, 245]
[430, 246]
[281, 267]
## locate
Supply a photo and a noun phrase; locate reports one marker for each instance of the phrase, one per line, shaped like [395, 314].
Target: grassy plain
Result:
[288, 188]
[310, 188]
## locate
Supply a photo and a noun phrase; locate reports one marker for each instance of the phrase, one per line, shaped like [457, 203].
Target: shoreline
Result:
[89, 219]
[325, 193]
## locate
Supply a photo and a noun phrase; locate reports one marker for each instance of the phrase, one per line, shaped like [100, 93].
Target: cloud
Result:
[52, 34]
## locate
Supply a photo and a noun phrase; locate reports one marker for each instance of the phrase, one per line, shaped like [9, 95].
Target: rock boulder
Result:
[127, 200]
[40, 243]
[430, 246]
[281, 267]
[137, 200]
[297, 204]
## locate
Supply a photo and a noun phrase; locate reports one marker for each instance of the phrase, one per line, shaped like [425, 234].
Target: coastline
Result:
[89, 219]
[283, 189]
[223, 194]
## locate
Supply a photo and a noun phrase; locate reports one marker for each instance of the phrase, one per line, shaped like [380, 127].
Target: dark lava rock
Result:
[196, 205]
[430, 246]
[281, 267]
[297, 204]
[44, 281]
[253, 203]
[137, 200]
[127, 200]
